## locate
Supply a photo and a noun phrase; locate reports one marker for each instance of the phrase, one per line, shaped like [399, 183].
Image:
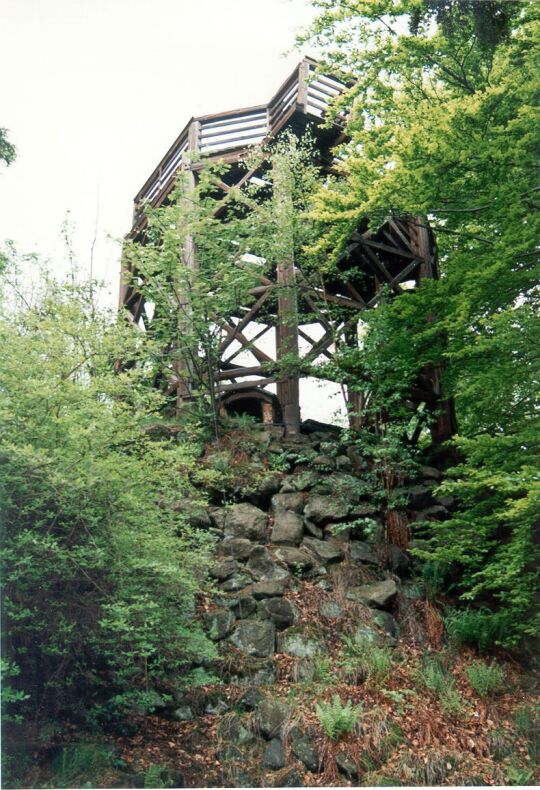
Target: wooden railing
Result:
[234, 131]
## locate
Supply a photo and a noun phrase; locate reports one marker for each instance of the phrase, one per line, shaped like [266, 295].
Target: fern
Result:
[336, 718]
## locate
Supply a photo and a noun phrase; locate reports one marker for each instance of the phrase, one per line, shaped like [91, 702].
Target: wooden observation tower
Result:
[400, 254]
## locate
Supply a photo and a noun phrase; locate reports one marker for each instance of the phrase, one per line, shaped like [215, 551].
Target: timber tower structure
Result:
[287, 313]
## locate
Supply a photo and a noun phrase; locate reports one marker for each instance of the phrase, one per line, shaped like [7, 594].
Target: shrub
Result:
[485, 679]
[479, 627]
[81, 763]
[527, 725]
[336, 718]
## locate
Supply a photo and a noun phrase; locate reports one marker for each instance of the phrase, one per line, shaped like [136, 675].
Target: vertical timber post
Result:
[444, 425]
[183, 367]
[287, 318]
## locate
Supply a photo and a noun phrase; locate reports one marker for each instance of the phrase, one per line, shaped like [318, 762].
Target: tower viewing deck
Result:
[303, 98]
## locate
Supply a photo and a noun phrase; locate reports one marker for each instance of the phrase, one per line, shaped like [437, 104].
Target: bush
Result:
[485, 679]
[441, 682]
[336, 718]
[479, 627]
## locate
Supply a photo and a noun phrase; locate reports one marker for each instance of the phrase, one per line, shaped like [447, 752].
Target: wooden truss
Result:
[289, 314]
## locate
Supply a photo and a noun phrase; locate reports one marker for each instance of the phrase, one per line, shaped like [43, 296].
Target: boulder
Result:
[346, 765]
[238, 548]
[271, 717]
[419, 497]
[244, 606]
[363, 509]
[387, 623]
[322, 509]
[236, 582]
[331, 609]
[323, 463]
[265, 490]
[292, 778]
[326, 550]
[433, 513]
[274, 756]
[304, 671]
[231, 728]
[296, 559]
[378, 595]
[250, 699]
[343, 463]
[222, 570]
[183, 713]
[363, 552]
[262, 566]
[241, 521]
[217, 708]
[397, 560]
[298, 644]
[288, 527]
[255, 638]
[288, 501]
[303, 747]
[313, 529]
[280, 611]
[219, 624]
[429, 473]
[269, 589]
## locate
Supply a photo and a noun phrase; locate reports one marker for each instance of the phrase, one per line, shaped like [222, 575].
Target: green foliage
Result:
[527, 721]
[8, 151]
[100, 568]
[336, 718]
[479, 627]
[435, 677]
[485, 679]
[365, 657]
[81, 764]
[444, 127]
[155, 776]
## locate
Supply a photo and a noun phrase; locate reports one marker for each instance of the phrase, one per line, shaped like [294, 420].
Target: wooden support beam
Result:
[260, 355]
[250, 315]
[241, 371]
[240, 350]
[246, 385]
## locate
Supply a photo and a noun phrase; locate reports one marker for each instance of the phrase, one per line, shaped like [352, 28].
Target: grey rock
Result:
[313, 529]
[245, 606]
[288, 527]
[242, 521]
[397, 560]
[236, 582]
[250, 699]
[262, 566]
[363, 552]
[346, 765]
[239, 548]
[356, 457]
[219, 624]
[343, 463]
[364, 636]
[303, 747]
[232, 728]
[420, 497]
[363, 510]
[183, 713]
[271, 716]
[433, 513]
[265, 490]
[241, 778]
[322, 509]
[446, 501]
[222, 570]
[324, 463]
[269, 589]
[326, 550]
[296, 559]
[325, 585]
[291, 779]
[280, 610]
[288, 501]
[255, 638]
[378, 595]
[217, 708]
[388, 623]
[274, 756]
[304, 671]
[304, 481]
[429, 472]
[296, 644]
[331, 609]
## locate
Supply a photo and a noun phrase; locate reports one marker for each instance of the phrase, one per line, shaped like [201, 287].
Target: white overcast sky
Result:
[94, 92]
